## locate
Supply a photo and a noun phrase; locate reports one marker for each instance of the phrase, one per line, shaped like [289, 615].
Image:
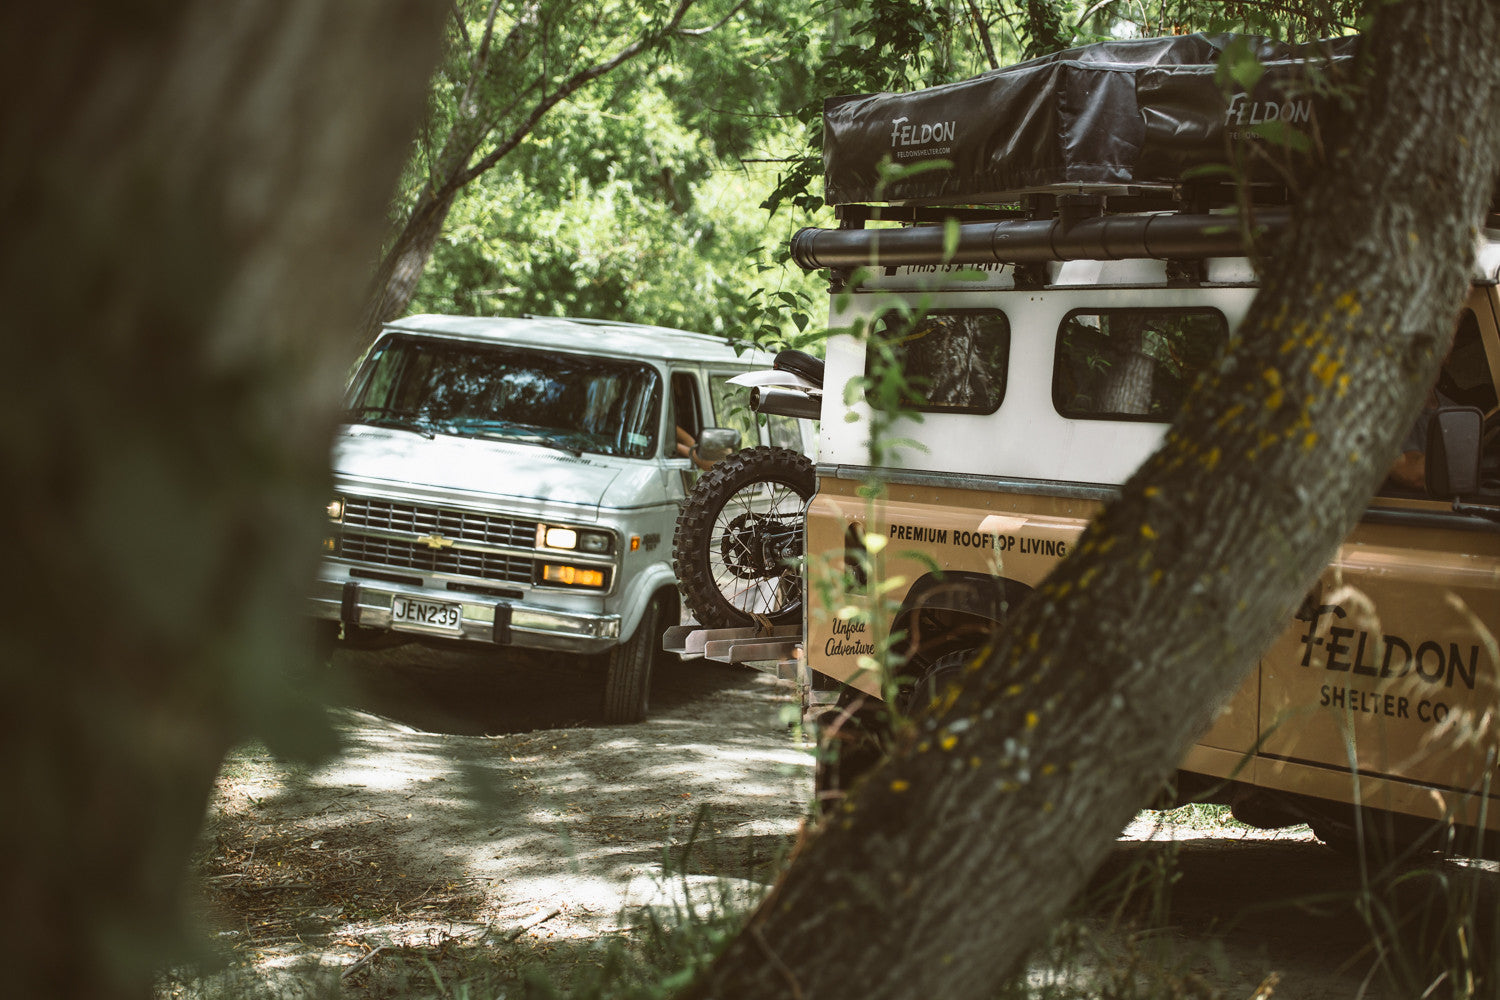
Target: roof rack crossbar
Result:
[1113, 237]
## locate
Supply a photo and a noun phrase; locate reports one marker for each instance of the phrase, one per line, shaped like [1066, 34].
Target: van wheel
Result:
[739, 538]
[942, 673]
[627, 672]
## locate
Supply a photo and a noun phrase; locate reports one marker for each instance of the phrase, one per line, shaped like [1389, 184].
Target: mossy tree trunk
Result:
[947, 864]
[192, 192]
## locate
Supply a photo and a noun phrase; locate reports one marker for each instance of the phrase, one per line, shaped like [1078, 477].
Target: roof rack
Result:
[1164, 236]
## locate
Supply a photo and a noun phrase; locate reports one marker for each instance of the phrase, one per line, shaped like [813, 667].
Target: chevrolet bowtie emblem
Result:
[436, 541]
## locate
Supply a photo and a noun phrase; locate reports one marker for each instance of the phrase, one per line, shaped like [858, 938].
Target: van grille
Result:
[457, 525]
[458, 562]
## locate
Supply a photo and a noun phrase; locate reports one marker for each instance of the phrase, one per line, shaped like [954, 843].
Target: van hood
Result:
[472, 465]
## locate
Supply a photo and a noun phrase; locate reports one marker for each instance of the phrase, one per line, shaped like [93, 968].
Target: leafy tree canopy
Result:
[638, 198]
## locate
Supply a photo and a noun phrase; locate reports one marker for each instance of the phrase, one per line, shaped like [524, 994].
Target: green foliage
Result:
[636, 198]
[1045, 31]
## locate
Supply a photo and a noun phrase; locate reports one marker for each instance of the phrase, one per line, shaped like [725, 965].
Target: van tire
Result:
[947, 670]
[705, 556]
[627, 671]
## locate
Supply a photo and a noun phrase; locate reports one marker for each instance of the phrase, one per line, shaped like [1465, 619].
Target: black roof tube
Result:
[1110, 237]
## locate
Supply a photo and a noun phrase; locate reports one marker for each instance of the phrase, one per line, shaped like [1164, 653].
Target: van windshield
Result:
[567, 401]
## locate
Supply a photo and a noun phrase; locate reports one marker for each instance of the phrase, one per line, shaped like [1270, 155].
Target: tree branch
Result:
[479, 64]
[489, 32]
[983, 31]
[458, 21]
[568, 87]
[699, 32]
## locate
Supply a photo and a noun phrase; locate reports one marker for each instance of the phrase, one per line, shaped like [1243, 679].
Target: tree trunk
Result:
[400, 270]
[192, 190]
[947, 864]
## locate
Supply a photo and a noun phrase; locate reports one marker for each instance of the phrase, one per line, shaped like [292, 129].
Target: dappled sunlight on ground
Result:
[463, 826]
[449, 815]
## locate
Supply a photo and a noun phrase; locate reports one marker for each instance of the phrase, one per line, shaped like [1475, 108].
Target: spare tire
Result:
[738, 542]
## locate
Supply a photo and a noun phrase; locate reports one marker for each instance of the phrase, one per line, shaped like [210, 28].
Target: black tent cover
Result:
[1125, 113]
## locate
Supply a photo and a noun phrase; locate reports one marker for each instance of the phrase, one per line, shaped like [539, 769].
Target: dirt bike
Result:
[738, 544]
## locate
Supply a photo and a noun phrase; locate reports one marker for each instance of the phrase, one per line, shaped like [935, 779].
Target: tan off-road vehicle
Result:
[1049, 329]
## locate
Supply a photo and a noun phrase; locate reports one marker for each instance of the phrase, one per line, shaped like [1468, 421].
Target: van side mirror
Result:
[1453, 442]
[715, 443]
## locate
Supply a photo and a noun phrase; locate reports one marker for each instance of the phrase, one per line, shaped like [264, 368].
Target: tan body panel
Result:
[1014, 536]
[1392, 669]
[1393, 660]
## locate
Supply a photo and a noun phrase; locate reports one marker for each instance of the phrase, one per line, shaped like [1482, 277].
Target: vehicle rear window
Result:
[954, 361]
[1133, 364]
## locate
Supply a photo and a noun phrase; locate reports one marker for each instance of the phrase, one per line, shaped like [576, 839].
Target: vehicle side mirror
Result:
[1453, 442]
[715, 443]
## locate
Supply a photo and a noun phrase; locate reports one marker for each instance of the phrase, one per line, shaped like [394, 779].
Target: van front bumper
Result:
[496, 622]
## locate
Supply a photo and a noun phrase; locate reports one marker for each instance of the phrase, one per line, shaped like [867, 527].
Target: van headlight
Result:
[335, 509]
[556, 536]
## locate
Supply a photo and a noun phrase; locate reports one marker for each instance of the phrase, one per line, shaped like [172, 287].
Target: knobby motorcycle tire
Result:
[694, 537]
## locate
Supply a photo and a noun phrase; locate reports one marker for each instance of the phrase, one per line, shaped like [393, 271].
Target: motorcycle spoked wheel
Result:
[739, 536]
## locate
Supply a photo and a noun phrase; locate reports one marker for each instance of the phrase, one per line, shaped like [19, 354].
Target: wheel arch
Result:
[657, 581]
[957, 608]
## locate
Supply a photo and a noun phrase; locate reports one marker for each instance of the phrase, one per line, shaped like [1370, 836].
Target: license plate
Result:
[432, 614]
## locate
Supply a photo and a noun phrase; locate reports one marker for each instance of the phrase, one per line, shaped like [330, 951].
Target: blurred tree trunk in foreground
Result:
[194, 192]
[946, 865]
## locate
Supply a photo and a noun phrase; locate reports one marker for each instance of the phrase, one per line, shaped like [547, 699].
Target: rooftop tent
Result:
[1133, 113]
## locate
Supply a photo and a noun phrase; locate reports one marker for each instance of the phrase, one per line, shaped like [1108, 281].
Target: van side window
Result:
[955, 360]
[784, 431]
[1133, 364]
[1465, 378]
[732, 407]
[685, 411]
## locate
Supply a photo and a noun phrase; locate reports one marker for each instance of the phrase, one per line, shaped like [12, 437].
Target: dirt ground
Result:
[481, 824]
[480, 802]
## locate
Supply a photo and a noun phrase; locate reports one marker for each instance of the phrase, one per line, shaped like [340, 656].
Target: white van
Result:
[514, 482]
